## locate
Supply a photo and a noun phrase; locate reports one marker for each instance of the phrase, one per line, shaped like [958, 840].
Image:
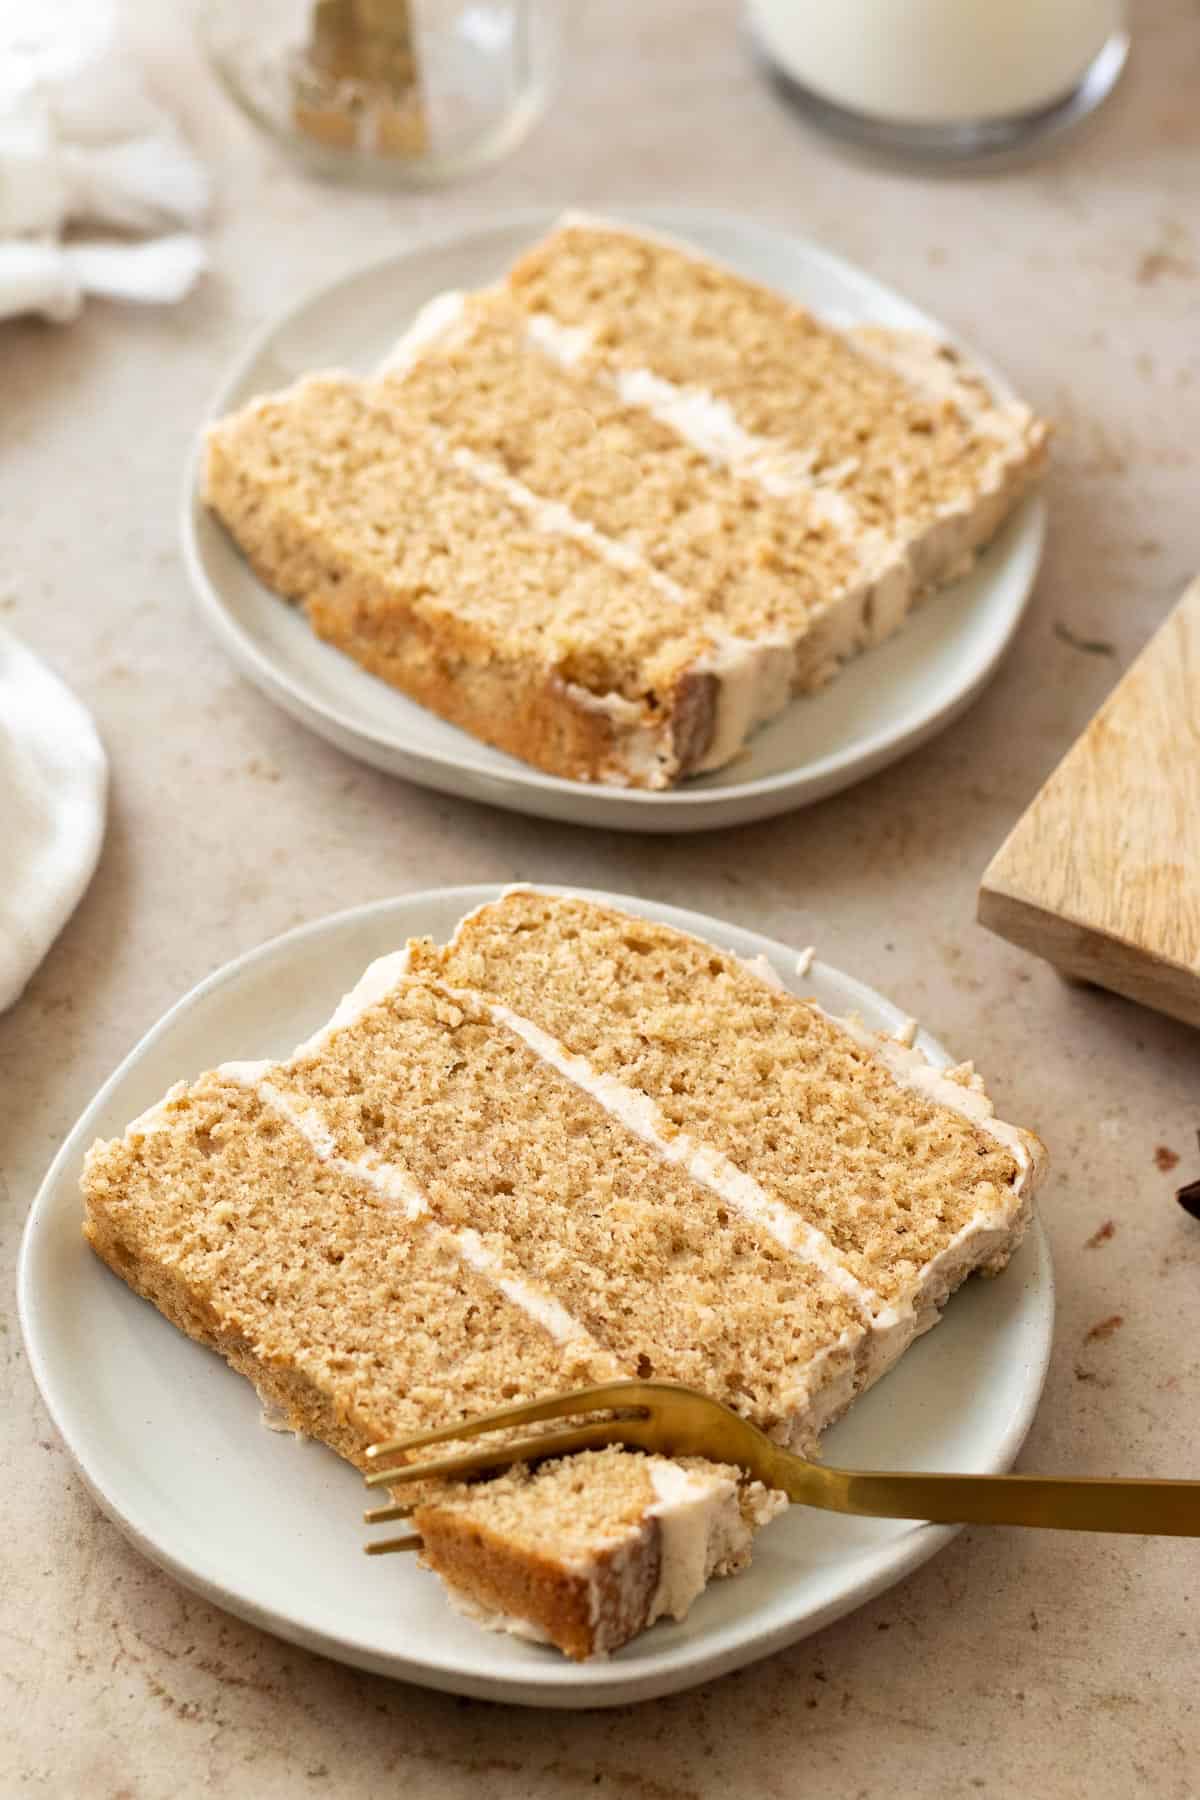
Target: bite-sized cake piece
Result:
[612, 514]
[588, 1551]
[569, 1147]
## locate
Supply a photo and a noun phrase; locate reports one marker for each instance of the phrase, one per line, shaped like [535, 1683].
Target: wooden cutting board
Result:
[1101, 875]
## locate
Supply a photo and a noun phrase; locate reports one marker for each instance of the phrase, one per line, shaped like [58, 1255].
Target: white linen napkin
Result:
[53, 787]
[81, 141]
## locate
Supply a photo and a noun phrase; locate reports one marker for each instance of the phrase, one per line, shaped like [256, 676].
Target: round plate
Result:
[170, 1441]
[882, 705]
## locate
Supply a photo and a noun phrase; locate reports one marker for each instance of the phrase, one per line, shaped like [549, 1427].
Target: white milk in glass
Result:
[936, 62]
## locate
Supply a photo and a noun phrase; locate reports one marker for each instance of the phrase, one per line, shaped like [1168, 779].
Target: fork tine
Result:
[378, 1514]
[502, 1456]
[385, 1546]
[525, 1412]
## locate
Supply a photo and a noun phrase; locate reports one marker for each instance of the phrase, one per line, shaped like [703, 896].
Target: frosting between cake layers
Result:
[554, 517]
[641, 749]
[562, 1326]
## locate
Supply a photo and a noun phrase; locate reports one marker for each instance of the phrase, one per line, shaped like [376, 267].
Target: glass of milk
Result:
[947, 79]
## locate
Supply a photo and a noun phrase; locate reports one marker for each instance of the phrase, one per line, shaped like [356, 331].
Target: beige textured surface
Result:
[1008, 1666]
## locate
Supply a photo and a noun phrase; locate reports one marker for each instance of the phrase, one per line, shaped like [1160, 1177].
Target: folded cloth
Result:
[53, 784]
[81, 140]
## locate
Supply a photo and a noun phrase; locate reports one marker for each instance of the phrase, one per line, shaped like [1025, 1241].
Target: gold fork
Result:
[674, 1420]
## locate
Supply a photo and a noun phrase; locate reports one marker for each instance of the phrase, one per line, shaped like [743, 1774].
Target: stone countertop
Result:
[1011, 1664]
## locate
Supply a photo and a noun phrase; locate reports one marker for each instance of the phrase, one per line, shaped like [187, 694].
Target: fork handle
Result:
[1066, 1503]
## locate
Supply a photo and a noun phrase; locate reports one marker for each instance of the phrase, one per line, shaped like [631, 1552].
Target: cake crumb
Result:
[1101, 1235]
[1103, 1328]
[1166, 1159]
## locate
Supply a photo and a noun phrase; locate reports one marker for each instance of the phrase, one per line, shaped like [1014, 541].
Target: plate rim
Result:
[888, 744]
[559, 1684]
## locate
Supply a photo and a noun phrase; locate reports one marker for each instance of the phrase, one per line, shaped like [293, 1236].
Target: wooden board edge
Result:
[1086, 954]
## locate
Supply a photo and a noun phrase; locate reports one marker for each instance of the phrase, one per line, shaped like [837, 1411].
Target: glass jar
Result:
[409, 92]
[946, 79]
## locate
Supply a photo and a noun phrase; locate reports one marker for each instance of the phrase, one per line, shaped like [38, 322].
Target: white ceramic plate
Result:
[171, 1443]
[883, 705]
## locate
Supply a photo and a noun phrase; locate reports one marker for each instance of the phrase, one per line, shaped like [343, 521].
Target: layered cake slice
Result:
[614, 513]
[567, 1147]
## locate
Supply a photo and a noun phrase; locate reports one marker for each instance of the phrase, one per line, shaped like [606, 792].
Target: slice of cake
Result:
[570, 1146]
[612, 514]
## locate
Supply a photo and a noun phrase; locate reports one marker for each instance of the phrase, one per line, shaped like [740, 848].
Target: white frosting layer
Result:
[373, 985]
[700, 1527]
[482, 1615]
[764, 968]
[754, 677]
[436, 321]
